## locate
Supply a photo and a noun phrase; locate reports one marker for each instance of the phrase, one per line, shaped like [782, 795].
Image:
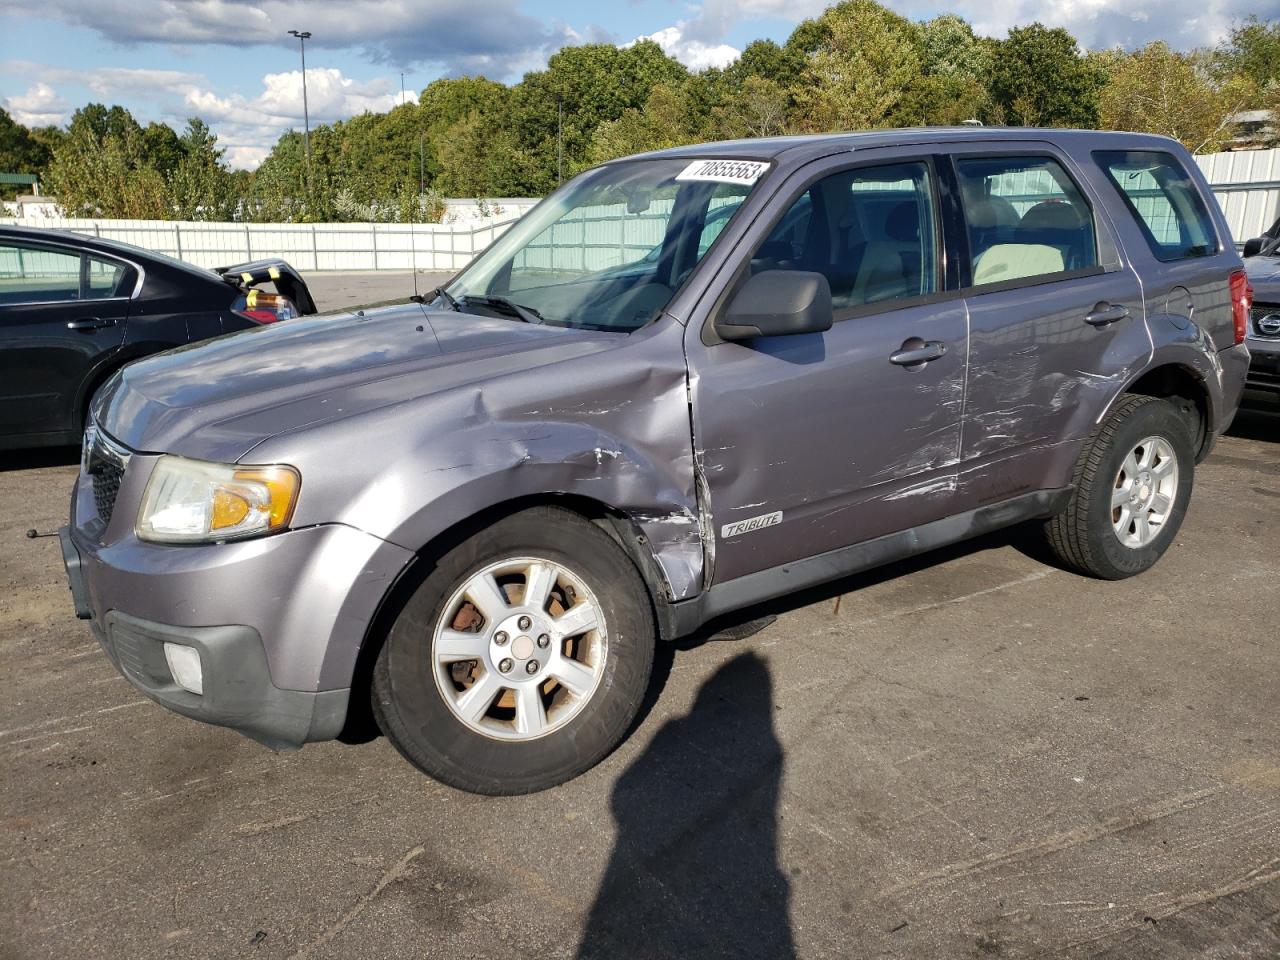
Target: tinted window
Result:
[36, 275]
[1025, 218]
[1168, 207]
[107, 278]
[869, 231]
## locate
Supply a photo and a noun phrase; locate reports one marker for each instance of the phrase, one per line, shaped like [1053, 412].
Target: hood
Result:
[218, 399]
[1264, 276]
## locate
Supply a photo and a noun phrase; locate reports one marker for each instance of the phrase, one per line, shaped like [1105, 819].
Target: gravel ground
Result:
[973, 754]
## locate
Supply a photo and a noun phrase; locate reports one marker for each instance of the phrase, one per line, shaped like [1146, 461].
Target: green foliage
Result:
[1158, 90]
[1039, 78]
[21, 151]
[858, 65]
[861, 62]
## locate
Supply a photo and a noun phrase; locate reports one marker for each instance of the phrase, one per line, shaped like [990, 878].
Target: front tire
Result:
[1132, 484]
[521, 660]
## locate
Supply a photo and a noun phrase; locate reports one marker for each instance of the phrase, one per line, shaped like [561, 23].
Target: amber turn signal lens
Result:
[281, 484]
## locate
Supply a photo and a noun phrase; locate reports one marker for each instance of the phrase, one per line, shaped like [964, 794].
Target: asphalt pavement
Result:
[972, 754]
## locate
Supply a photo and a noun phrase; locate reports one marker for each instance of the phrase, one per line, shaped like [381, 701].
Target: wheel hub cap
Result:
[1144, 492]
[519, 648]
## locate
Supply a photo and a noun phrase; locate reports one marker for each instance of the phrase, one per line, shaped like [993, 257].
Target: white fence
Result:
[308, 246]
[1247, 185]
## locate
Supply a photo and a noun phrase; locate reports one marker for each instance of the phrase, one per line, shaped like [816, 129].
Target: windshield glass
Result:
[609, 251]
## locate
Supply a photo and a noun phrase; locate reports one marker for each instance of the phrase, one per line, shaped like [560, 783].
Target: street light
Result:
[303, 36]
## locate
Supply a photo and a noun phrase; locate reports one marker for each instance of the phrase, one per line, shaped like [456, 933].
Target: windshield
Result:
[608, 251]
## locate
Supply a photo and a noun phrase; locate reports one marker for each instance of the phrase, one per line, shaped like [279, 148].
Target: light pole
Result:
[303, 36]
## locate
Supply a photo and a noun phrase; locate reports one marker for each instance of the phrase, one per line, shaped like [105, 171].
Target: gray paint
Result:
[404, 422]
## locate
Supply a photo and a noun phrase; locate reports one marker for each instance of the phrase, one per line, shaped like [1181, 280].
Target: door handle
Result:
[1104, 313]
[88, 324]
[916, 351]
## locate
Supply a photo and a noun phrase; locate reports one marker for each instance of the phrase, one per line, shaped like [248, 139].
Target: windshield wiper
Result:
[439, 293]
[517, 310]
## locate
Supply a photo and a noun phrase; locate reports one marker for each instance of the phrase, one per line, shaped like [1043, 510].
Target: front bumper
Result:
[1264, 366]
[278, 622]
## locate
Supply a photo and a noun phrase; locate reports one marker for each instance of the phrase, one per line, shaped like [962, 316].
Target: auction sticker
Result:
[745, 172]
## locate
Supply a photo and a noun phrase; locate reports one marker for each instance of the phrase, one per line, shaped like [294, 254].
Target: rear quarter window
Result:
[1161, 196]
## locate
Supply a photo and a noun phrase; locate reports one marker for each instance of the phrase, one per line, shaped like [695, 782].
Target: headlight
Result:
[190, 501]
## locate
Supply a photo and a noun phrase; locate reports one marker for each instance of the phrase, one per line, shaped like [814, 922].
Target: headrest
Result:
[1051, 215]
[985, 213]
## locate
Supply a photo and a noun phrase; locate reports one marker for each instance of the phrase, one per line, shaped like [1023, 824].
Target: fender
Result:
[1192, 352]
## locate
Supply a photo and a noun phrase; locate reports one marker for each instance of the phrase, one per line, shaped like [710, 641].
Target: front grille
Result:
[105, 462]
[1265, 319]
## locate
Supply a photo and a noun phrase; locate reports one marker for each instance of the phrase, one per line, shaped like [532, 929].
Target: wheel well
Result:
[360, 725]
[1187, 388]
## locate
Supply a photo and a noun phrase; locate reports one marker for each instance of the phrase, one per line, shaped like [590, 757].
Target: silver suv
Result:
[685, 383]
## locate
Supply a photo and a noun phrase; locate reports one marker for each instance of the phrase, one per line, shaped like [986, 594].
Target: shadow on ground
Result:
[1257, 422]
[694, 871]
[39, 457]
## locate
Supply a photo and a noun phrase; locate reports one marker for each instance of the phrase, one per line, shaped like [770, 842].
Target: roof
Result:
[825, 144]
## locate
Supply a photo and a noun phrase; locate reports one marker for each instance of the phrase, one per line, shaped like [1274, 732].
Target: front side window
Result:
[610, 250]
[1025, 219]
[1168, 207]
[31, 274]
[869, 231]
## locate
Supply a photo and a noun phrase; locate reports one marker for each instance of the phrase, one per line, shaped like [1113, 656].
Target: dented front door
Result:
[810, 443]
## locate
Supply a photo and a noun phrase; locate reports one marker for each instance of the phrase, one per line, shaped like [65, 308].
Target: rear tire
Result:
[468, 686]
[1132, 484]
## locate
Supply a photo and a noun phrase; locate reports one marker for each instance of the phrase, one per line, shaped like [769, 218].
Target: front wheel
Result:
[521, 660]
[1132, 484]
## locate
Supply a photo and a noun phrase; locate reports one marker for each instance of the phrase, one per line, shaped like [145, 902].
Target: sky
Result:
[233, 63]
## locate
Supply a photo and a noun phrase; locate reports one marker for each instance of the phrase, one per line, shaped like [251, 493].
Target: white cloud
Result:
[694, 54]
[247, 126]
[1095, 23]
[455, 34]
[40, 106]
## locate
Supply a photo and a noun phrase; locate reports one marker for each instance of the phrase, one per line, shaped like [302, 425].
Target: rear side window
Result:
[106, 278]
[1025, 218]
[1161, 196]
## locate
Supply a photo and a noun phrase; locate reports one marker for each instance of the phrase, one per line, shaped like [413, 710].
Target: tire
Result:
[513, 747]
[1085, 536]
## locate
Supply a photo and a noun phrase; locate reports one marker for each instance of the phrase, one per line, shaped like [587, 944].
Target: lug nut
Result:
[543, 641]
[525, 623]
[500, 638]
[506, 665]
[531, 667]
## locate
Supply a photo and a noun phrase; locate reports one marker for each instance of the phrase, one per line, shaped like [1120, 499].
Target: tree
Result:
[662, 123]
[955, 64]
[594, 83]
[199, 187]
[20, 152]
[1158, 90]
[1039, 78]
[1253, 52]
[861, 62]
[101, 169]
[760, 108]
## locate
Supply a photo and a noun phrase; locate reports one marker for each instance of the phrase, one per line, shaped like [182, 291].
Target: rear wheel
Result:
[522, 658]
[1132, 484]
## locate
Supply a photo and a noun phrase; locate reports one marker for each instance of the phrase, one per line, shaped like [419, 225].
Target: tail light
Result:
[1241, 303]
[263, 307]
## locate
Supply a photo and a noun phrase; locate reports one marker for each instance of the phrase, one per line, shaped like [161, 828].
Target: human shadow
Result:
[694, 870]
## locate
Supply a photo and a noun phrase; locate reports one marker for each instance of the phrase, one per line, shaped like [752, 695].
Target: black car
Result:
[1262, 262]
[74, 309]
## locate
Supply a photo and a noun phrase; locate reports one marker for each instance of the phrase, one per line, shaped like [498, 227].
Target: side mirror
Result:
[1254, 247]
[778, 303]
